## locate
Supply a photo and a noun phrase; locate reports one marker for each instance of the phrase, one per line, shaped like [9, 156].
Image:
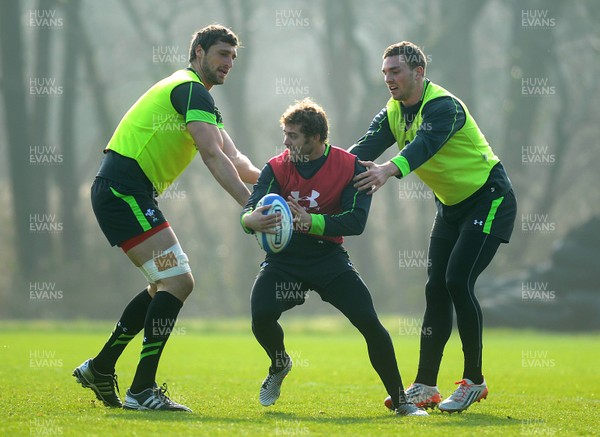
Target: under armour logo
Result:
[311, 199]
[478, 222]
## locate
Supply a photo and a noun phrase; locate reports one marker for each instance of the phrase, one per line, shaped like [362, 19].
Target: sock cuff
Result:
[144, 296]
[168, 299]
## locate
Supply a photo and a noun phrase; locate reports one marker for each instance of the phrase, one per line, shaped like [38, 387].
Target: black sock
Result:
[160, 319]
[270, 337]
[281, 360]
[474, 374]
[427, 376]
[130, 323]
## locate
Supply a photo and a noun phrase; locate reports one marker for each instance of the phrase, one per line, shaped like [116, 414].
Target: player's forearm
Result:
[247, 171]
[351, 221]
[376, 140]
[225, 173]
[265, 184]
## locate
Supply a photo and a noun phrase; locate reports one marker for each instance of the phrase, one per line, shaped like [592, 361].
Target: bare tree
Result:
[15, 99]
[68, 181]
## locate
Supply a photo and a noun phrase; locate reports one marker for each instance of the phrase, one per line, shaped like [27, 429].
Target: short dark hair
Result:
[412, 54]
[310, 116]
[210, 35]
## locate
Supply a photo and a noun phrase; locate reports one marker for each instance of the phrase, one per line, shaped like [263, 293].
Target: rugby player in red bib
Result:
[317, 180]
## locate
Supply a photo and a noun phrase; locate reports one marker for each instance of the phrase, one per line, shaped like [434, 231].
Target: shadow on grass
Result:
[289, 418]
[263, 418]
[455, 419]
[473, 418]
[323, 418]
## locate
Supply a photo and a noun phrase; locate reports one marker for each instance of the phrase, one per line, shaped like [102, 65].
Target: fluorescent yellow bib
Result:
[154, 134]
[460, 167]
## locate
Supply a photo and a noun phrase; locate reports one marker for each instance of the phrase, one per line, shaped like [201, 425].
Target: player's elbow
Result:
[360, 228]
[357, 227]
[360, 221]
[210, 156]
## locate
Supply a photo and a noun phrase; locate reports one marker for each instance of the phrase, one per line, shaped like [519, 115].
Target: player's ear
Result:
[419, 72]
[199, 52]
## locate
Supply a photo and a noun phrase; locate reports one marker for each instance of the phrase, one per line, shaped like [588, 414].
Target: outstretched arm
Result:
[442, 118]
[209, 143]
[377, 140]
[247, 171]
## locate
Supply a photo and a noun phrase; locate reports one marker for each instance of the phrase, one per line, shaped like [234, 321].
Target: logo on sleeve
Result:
[218, 116]
[150, 213]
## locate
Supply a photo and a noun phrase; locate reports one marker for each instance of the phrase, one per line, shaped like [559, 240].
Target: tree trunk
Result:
[18, 128]
[68, 182]
[40, 115]
[452, 54]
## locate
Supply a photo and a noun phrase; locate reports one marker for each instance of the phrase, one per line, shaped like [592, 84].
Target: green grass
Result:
[540, 383]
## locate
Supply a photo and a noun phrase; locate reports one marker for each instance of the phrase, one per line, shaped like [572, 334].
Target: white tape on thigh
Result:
[168, 263]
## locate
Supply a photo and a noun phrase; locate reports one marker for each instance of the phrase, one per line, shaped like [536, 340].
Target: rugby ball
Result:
[274, 243]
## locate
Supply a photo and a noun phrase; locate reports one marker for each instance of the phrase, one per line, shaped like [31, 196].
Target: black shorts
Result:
[487, 212]
[124, 212]
[274, 292]
[312, 261]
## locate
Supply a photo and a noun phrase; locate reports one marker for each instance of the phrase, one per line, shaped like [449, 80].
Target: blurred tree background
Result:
[70, 69]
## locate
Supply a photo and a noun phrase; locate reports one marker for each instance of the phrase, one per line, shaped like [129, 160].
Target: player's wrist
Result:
[391, 169]
[245, 227]
[401, 163]
[317, 224]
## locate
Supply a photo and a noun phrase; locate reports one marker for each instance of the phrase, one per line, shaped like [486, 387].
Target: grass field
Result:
[540, 383]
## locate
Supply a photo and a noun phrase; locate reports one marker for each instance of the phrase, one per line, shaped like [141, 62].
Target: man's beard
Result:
[210, 75]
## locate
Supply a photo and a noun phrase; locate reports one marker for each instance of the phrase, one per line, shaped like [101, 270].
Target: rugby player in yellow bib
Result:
[153, 144]
[441, 143]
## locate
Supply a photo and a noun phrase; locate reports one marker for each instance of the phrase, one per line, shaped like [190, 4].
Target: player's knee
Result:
[430, 290]
[152, 289]
[435, 289]
[259, 318]
[263, 317]
[187, 283]
[368, 324]
[181, 285]
[456, 284]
